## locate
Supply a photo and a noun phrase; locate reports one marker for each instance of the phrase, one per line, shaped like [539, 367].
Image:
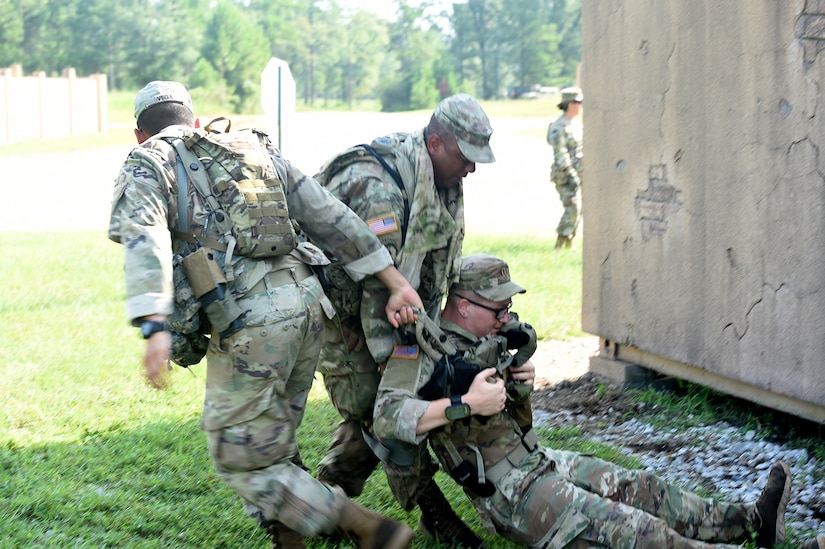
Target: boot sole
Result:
[783, 504]
[779, 526]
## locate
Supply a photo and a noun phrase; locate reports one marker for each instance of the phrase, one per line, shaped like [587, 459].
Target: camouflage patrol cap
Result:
[488, 277]
[463, 117]
[570, 95]
[160, 91]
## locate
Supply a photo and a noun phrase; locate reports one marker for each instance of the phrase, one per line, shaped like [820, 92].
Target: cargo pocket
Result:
[571, 523]
[255, 444]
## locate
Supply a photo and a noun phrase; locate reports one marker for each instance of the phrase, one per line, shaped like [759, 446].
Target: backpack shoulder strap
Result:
[194, 172]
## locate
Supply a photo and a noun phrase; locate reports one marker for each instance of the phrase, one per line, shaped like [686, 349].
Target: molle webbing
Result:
[242, 191]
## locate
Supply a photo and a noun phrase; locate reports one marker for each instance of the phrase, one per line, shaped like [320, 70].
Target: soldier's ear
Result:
[141, 135]
[463, 307]
[434, 144]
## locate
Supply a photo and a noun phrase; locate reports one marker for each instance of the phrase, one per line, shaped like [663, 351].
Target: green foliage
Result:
[237, 49]
[394, 95]
[571, 439]
[481, 47]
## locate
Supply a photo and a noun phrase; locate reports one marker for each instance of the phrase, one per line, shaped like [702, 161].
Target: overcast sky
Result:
[386, 8]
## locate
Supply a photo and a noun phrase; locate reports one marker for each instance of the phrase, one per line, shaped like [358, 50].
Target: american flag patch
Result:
[405, 351]
[383, 225]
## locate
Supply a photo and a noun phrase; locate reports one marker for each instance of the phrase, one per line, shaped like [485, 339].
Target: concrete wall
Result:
[704, 194]
[37, 107]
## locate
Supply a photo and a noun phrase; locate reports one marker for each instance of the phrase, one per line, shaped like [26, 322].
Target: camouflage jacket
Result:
[398, 409]
[567, 139]
[145, 215]
[426, 248]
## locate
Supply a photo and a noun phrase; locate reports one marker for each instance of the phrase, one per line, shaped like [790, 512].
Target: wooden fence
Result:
[39, 107]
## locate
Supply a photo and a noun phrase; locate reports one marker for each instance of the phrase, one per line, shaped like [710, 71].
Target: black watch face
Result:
[149, 327]
[457, 411]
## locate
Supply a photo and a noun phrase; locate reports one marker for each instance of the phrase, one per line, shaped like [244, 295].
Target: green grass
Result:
[90, 456]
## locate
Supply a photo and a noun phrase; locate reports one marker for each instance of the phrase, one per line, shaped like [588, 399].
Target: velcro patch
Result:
[409, 352]
[383, 225]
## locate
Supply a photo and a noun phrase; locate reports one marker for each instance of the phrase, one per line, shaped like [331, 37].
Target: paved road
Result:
[72, 191]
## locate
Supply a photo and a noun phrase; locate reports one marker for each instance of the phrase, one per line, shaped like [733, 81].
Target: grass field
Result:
[90, 456]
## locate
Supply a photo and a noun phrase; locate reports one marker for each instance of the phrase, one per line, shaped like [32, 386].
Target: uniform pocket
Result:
[254, 444]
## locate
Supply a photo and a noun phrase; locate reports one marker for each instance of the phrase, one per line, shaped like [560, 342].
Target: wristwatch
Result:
[149, 327]
[457, 409]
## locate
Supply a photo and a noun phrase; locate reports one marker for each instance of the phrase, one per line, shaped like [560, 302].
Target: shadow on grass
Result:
[147, 487]
[154, 487]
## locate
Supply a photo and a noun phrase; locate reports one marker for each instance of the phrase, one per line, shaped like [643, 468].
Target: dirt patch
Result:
[564, 387]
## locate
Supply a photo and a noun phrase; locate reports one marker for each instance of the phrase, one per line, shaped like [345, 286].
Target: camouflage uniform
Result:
[424, 238]
[540, 497]
[257, 378]
[565, 136]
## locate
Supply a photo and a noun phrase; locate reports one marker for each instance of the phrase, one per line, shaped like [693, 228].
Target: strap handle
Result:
[398, 181]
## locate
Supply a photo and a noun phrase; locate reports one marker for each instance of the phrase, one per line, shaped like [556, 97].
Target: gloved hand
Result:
[520, 336]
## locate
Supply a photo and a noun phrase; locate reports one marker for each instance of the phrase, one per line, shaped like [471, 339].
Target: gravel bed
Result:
[719, 459]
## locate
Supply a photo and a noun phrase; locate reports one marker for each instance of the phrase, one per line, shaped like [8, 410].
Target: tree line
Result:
[220, 47]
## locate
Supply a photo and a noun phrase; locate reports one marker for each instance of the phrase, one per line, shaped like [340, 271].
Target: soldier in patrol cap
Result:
[408, 187]
[527, 493]
[565, 136]
[261, 366]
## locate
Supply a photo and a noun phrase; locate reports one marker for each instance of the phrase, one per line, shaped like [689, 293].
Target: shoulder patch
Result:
[383, 225]
[409, 352]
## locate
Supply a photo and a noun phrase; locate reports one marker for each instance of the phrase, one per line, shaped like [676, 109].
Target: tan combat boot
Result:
[563, 242]
[369, 530]
[818, 543]
[285, 538]
[771, 506]
[440, 523]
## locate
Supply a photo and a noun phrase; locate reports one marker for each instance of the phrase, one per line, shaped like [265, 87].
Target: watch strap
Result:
[150, 327]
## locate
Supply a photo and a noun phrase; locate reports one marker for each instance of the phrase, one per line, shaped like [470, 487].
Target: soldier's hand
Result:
[487, 395]
[526, 373]
[403, 297]
[400, 307]
[156, 359]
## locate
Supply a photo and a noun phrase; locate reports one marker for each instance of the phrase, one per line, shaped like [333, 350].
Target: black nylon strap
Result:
[397, 178]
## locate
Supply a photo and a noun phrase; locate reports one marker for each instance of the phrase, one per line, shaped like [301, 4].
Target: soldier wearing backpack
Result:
[214, 228]
[408, 187]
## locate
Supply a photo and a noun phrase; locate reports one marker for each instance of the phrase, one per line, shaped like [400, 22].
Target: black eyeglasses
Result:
[500, 313]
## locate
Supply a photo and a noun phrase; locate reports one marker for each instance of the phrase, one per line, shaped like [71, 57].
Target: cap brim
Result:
[502, 292]
[475, 153]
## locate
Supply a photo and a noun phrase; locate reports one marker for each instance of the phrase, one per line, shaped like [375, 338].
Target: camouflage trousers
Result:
[557, 499]
[351, 380]
[570, 195]
[258, 380]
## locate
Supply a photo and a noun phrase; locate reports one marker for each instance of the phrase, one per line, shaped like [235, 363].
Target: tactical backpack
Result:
[243, 191]
[241, 188]
[344, 293]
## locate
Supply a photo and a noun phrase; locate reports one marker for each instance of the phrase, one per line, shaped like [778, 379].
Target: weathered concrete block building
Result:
[704, 199]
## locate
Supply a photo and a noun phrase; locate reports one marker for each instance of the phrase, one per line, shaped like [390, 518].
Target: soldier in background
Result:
[565, 136]
[261, 365]
[408, 187]
[529, 494]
